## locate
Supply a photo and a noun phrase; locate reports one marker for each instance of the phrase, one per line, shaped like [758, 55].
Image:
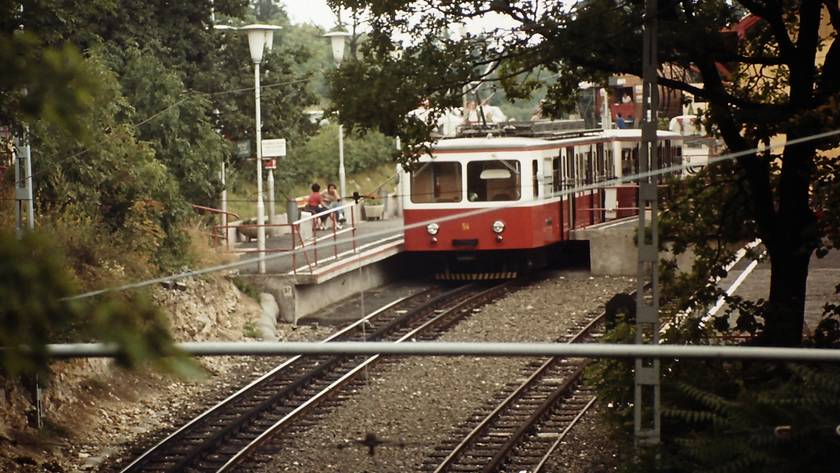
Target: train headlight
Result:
[498, 226]
[432, 229]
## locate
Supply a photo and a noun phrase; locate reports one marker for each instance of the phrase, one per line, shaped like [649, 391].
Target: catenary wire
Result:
[391, 232]
[188, 95]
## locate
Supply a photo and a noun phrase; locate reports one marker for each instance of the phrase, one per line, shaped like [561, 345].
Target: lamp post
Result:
[337, 39]
[260, 37]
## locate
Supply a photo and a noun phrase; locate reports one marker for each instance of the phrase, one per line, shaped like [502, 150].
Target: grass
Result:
[249, 330]
[247, 288]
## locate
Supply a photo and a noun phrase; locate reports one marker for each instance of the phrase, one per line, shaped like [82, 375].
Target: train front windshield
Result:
[436, 182]
[491, 181]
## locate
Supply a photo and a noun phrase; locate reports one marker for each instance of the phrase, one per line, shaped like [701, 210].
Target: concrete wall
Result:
[298, 301]
[612, 250]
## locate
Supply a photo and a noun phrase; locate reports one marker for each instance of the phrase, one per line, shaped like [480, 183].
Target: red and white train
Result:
[490, 207]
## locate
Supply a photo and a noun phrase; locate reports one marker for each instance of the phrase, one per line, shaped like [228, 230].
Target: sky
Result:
[310, 11]
[317, 12]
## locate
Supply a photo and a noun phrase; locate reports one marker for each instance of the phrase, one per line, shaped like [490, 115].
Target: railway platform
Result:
[612, 246]
[307, 268]
[750, 279]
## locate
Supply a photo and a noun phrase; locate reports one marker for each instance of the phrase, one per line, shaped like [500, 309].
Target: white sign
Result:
[274, 148]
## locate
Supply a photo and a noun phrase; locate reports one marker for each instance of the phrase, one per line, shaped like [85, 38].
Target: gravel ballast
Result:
[409, 407]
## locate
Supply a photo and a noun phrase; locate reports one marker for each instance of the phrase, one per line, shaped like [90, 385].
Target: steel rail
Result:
[258, 381]
[329, 390]
[506, 448]
[562, 436]
[517, 394]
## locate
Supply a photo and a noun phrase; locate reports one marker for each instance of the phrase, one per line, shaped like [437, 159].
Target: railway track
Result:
[229, 433]
[527, 420]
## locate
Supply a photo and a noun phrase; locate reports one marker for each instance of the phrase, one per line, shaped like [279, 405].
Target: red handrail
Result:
[297, 239]
[217, 234]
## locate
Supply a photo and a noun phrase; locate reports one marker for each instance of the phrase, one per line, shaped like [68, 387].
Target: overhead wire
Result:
[187, 94]
[468, 213]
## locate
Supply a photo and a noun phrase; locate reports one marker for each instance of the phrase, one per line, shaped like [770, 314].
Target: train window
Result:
[493, 180]
[535, 178]
[599, 161]
[436, 182]
[569, 180]
[629, 161]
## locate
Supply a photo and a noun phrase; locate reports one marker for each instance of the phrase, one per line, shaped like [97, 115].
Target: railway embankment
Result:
[95, 412]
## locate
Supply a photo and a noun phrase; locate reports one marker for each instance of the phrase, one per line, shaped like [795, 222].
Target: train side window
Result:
[436, 182]
[636, 160]
[556, 171]
[569, 179]
[599, 161]
[535, 178]
[489, 181]
[626, 161]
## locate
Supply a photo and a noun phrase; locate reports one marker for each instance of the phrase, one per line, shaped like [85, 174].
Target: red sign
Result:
[270, 163]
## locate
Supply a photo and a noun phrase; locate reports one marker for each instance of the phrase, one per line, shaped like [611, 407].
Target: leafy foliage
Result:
[775, 72]
[318, 157]
[35, 312]
[57, 84]
[781, 419]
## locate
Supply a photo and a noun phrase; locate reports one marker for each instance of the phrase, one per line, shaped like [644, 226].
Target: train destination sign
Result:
[274, 148]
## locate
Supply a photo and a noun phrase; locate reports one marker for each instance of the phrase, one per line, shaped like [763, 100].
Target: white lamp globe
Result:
[259, 37]
[337, 40]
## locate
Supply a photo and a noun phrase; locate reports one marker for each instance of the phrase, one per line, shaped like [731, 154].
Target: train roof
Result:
[528, 143]
[502, 142]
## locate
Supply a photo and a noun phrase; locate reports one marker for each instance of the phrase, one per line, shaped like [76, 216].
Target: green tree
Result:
[36, 312]
[776, 87]
[317, 158]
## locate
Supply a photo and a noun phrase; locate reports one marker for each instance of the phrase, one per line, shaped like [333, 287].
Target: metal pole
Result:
[341, 176]
[646, 408]
[23, 187]
[223, 177]
[30, 200]
[19, 178]
[578, 350]
[260, 204]
[271, 195]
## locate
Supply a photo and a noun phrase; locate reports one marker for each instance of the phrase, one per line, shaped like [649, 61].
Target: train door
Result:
[549, 177]
[600, 167]
[560, 188]
[627, 195]
[571, 184]
[610, 193]
[590, 179]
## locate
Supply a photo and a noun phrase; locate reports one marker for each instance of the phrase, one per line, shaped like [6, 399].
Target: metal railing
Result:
[334, 227]
[217, 234]
[305, 240]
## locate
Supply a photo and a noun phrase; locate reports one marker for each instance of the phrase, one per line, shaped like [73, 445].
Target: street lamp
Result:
[260, 37]
[337, 39]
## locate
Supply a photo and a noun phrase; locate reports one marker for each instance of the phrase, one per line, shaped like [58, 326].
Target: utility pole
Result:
[646, 407]
[24, 204]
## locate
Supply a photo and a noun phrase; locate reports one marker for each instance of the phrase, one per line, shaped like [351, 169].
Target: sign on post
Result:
[243, 149]
[274, 148]
[270, 163]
